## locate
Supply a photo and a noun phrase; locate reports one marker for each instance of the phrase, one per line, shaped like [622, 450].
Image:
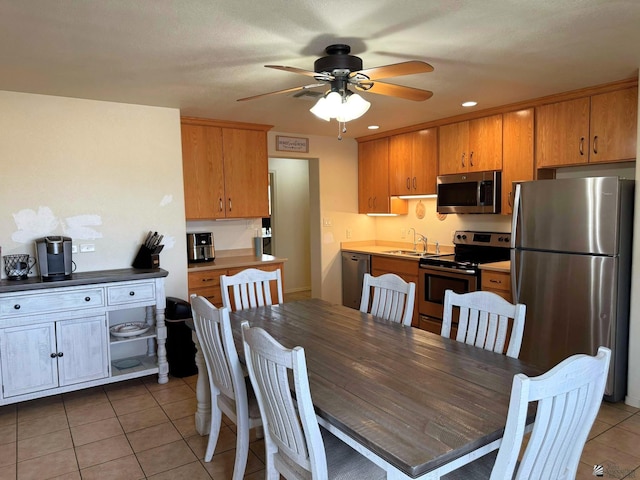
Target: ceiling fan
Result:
[340, 71]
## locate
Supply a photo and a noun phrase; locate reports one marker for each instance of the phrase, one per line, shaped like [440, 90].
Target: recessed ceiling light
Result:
[373, 127]
[469, 104]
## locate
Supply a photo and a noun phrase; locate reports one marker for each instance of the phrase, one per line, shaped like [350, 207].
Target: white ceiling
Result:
[202, 55]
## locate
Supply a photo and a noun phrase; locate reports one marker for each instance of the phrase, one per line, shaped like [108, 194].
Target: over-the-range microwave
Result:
[474, 192]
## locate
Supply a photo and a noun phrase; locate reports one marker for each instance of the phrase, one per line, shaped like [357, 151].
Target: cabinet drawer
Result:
[131, 293]
[207, 278]
[496, 281]
[212, 293]
[16, 305]
[397, 266]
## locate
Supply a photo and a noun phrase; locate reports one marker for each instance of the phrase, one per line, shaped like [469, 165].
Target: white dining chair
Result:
[484, 321]
[392, 298]
[229, 392]
[295, 445]
[251, 288]
[568, 399]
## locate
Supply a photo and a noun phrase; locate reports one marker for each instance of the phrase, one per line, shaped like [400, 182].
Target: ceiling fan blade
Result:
[286, 90]
[381, 88]
[397, 70]
[308, 73]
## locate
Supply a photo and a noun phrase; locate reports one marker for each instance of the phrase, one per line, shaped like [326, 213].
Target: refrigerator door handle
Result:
[515, 294]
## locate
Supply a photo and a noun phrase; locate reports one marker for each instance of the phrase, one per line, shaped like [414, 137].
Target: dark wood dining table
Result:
[417, 404]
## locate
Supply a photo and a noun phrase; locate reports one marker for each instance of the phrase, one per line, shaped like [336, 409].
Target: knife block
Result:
[146, 258]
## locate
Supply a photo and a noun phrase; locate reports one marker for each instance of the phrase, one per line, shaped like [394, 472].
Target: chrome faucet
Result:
[423, 239]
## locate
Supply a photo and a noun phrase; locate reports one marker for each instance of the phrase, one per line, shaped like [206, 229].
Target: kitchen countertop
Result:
[378, 247]
[504, 266]
[243, 260]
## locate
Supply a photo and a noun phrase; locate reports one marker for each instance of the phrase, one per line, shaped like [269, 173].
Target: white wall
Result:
[290, 220]
[102, 173]
[633, 386]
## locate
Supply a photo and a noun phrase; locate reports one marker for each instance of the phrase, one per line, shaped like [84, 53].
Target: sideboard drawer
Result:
[15, 305]
[131, 293]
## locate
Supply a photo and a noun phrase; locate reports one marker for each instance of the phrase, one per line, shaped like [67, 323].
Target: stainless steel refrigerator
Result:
[571, 266]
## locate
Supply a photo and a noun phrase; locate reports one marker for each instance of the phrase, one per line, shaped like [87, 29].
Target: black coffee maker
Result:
[54, 258]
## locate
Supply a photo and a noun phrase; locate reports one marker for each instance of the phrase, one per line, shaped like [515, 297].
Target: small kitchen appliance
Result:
[54, 258]
[200, 247]
[18, 267]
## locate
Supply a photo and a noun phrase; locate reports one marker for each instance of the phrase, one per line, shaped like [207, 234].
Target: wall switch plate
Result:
[326, 222]
[348, 233]
[403, 233]
[87, 247]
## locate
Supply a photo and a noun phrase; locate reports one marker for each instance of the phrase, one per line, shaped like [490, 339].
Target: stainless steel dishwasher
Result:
[354, 266]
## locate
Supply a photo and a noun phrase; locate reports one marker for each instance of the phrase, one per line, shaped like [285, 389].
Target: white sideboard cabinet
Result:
[55, 336]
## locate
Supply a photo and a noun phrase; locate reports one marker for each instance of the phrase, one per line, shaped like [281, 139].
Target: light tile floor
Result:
[139, 429]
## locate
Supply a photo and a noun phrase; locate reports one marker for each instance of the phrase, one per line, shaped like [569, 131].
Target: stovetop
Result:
[472, 249]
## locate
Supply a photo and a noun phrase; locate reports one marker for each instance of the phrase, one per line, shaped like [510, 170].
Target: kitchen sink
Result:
[412, 253]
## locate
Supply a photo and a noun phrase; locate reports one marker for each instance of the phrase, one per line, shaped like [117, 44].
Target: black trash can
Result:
[181, 351]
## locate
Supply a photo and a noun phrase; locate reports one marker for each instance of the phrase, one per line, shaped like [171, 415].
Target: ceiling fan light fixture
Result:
[353, 107]
[343, 108]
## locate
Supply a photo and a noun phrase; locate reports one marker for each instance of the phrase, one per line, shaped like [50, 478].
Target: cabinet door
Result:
[26, 361]
[614, 126]
[424, 164]
[373, 176]
[82, 350]
[517, 149]
[485, 144]
[246, 173]
[401, 164]
[453, 155]
[562, 133]
[202, 169]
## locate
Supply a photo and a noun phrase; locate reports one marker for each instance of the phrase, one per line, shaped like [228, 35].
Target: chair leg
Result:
[214, 431]
[242, 451]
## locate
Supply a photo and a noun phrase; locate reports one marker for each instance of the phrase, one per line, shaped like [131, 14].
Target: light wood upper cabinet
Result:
[600, 128]
[373, 179]
[517, 149]
[471, 146]
[413, 161]
[225, 171]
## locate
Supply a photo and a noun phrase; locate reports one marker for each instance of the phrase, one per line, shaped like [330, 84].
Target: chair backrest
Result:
[392, 298]
[251, 288]
[292, 434]
[213, 329]
[569, 396]
[484, 321]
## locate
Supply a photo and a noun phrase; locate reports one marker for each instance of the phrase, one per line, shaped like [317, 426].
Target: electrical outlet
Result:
[348, 233]
[87, 247]
[403, 233]
[326, 222]
[74, 249]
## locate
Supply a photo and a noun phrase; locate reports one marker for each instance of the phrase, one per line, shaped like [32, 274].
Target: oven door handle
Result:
[449, 270]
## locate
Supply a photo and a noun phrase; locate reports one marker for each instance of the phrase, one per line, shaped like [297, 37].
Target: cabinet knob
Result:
[230, 206]
[17, 306]
[221, 207]
[492, 280]
[408, 183]
[471, 159]
[87, 299]
[131, 294]
[595, 144]
[463, 159]
[60, 354]
[581, 145]
[54, 355]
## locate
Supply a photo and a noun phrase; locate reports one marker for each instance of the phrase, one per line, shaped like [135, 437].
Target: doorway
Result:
[290, 219]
